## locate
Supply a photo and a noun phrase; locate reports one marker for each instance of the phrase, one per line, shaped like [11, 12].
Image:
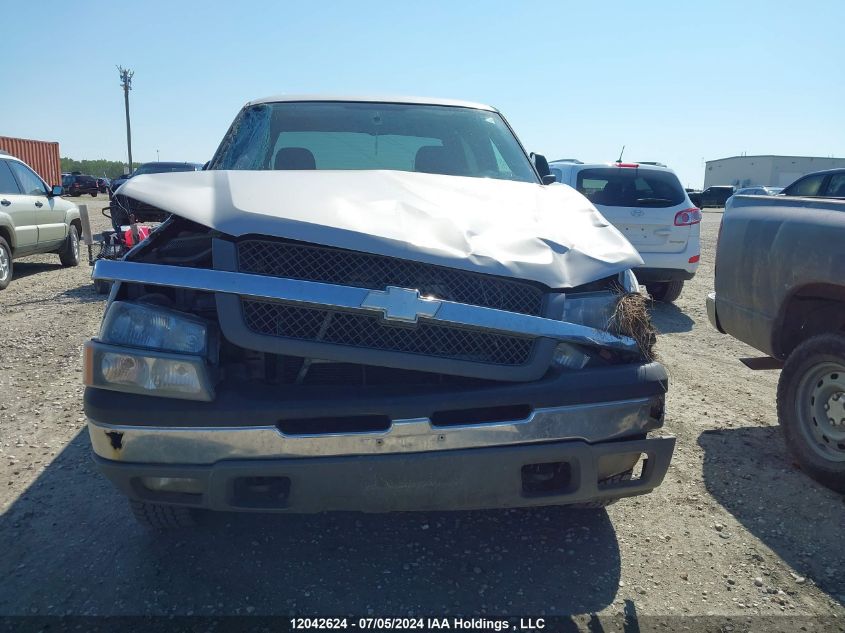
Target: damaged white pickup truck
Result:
[376, 305]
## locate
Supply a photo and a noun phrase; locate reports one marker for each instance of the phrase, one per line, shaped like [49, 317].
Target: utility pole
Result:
[126, 83]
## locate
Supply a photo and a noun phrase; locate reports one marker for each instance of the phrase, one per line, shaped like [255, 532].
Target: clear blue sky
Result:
[676, 81]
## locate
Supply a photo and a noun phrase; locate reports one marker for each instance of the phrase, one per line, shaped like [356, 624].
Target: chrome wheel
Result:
[5, 264]
[821, 410]
[74, 245]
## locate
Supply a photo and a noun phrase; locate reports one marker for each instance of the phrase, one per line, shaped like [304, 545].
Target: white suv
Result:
[647, 203]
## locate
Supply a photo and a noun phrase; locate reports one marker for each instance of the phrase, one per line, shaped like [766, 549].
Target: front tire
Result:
[666, 291]
[811, 408]
[159, 516]
[70, 253]
[6, 264]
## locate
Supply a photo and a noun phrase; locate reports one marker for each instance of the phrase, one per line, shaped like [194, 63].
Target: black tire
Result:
[102, 287]
[159, 516]
[69, 255]
[7, 266]
[665, 291]
[603, 503]
[94, 195]
[811, 389]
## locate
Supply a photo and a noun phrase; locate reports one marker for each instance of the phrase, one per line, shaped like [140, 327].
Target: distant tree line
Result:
[96, 168]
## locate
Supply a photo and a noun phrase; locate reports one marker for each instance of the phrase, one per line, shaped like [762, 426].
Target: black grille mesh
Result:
[363, 270]
[362, 330]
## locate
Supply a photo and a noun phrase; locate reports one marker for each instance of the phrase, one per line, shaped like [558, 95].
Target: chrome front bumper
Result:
[591, 423]
[464, 479]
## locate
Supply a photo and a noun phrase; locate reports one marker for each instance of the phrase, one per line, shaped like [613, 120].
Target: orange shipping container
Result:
[42, 156]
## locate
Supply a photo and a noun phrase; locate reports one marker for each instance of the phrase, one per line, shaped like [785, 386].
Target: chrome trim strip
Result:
[345, 297]
[207, 445]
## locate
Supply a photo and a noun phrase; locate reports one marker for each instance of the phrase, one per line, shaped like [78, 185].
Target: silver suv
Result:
[33, 218]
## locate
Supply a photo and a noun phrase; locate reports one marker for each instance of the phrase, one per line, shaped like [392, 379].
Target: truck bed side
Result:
[780, 266]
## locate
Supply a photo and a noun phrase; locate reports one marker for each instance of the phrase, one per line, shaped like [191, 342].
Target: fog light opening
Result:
[186, 485]
[639, 467]
[618, 469]
[547, 478]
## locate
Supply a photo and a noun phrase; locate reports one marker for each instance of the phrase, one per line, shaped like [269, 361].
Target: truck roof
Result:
[373, 99]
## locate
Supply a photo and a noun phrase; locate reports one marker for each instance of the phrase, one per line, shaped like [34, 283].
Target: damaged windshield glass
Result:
[446, 140]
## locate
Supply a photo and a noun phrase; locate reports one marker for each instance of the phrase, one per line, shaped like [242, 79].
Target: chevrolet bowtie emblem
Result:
[400, 304]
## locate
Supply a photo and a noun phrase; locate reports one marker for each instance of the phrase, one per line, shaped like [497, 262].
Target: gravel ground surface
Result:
[736, 528]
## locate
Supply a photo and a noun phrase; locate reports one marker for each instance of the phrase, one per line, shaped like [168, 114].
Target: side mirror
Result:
[542, 167]
[205, 167]
[57, 191]
[549, 180]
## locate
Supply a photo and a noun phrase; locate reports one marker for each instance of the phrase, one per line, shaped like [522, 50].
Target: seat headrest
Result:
[434, 159]
[839, 192]
[614, 187]
[294, 158]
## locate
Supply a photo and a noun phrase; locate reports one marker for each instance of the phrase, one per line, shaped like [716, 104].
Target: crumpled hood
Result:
[550, 234]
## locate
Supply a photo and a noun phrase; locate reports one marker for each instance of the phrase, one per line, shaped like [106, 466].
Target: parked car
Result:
[154, 168]
[33, 218]
[648, 205]
[829, 183]
[103, 185]
[75, 185]
[758, 191]
[714, 196]
[780, 289]
[371, 305]
[115, 183]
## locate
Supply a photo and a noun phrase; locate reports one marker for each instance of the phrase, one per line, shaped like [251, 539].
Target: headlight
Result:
[629, 281]
[570, 357]
[146, 372]
[593, 309]
[151, 327]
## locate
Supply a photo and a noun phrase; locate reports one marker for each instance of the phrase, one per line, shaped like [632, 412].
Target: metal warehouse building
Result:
[776, 171]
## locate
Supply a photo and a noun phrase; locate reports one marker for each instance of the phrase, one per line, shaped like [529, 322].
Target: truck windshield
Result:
[454, 141]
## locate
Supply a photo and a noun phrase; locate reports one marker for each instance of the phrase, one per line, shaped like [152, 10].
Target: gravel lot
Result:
[736, 529]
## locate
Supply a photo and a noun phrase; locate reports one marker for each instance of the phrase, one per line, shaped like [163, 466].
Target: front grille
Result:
[376, 272]
[370, 331]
